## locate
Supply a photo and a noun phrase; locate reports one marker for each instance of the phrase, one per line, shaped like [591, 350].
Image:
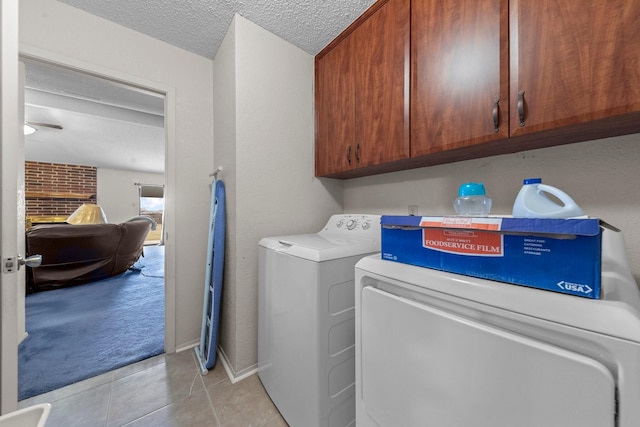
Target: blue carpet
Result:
[79, 332]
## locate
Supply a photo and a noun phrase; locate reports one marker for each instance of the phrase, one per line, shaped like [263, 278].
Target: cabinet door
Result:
[459, 93]
[573, 60]
[381, 81]
[335, 114]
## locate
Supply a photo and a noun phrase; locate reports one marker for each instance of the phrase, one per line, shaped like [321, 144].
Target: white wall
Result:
[264, 133]
[601, 176]
[118, 193]
[69, 35]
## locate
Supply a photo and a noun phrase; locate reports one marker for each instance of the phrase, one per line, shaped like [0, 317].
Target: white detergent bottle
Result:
[532, 202]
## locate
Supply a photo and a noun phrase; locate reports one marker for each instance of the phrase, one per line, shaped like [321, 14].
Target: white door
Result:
[10, 137]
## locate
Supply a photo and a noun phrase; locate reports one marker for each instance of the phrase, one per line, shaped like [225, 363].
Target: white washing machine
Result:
[440, 349]
[306, 324]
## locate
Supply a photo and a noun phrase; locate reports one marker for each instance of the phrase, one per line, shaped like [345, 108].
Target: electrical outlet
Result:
[413, 210]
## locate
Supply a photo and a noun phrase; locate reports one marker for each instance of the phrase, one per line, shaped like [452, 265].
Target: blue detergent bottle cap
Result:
[471, 189]
[532, 181]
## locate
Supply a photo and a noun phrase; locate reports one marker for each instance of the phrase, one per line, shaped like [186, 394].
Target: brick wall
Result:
[56, 189]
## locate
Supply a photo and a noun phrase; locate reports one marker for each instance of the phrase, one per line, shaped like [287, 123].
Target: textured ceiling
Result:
[200, 25]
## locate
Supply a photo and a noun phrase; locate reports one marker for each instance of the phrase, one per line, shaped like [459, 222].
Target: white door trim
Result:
[10, 136]
[41, 55]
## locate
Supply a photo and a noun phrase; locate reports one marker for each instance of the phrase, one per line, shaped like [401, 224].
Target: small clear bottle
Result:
[472, 200]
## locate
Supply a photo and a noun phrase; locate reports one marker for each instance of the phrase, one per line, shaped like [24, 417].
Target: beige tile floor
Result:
[166, 390]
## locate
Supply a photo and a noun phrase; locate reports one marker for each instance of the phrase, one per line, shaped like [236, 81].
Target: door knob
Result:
[31, 261]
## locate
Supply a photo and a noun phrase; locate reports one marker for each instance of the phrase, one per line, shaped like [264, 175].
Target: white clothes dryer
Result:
[306, 321]
[441, 349]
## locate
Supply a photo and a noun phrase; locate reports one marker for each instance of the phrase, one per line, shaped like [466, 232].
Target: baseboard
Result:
[187, 346]
[234, 377]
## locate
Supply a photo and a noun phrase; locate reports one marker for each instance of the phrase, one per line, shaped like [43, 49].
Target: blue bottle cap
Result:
[532, 181]
[471, 189]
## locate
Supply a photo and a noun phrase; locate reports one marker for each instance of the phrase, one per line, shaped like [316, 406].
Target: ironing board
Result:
[206, 350]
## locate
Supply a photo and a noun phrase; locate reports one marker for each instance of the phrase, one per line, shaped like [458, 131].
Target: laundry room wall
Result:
[264, 133]
[601, 176]
[56, 30]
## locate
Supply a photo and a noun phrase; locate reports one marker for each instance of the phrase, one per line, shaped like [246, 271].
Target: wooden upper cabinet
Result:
[459, 55]
[362, 93]
[573, 61]
[382, 85]
[413, 83]
[335, 113]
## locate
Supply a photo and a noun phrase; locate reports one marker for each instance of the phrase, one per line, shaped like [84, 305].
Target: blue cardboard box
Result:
[561, 255]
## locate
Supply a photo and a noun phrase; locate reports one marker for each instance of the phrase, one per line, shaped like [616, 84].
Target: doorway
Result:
[60, 99]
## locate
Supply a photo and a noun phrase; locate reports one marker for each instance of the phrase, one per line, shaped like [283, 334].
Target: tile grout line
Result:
[172, 402]
[114, 379]
[209, 399]
[206, 390]
[109, 400]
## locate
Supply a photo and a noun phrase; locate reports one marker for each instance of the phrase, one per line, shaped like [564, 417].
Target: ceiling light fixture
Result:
[28, 130]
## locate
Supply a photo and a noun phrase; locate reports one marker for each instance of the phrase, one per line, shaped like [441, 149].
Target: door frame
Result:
[31, 53]
[10, 136]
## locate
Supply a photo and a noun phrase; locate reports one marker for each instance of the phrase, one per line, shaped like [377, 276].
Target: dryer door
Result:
[421, 366]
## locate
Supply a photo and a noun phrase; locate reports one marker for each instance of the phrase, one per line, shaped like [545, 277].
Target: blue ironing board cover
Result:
[206, 352]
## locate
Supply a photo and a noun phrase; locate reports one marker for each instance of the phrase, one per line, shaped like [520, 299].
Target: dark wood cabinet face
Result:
[459, 93]
[572, 61]
[414, 83]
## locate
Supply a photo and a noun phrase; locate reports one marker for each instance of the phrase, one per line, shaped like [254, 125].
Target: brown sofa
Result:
[77, 254]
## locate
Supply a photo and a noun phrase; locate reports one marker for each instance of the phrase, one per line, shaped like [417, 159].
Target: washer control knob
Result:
[365, 225]
[340, 223]
[351, 224]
